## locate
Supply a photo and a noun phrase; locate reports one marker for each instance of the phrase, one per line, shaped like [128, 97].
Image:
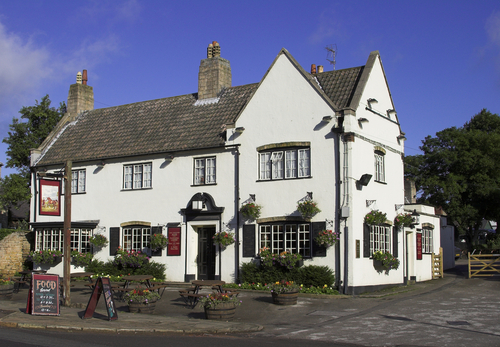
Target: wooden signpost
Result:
[102, 285]
[43, 297]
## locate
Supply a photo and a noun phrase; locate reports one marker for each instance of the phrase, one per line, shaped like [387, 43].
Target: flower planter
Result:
[6, 291]
[287, 298]
[223, 311]
[142, 307]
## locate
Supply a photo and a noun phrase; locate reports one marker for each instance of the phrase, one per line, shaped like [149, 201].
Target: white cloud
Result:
[326, 28]
[493, 28]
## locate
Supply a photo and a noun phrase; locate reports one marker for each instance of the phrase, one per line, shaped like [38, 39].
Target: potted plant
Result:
[81, 259]
[250, 211]
[45, 257]
[158, 241]
[327, 238]
[141, 300]
[403, 220]
[375, 217]
[224, 238]
[385, 260]
[6, 288]
[308, 209]
[98, 241]
[221, 306]
[284, 292]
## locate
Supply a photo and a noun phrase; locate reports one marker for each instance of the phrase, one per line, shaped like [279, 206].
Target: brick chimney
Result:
[81, 96]
[214, 75]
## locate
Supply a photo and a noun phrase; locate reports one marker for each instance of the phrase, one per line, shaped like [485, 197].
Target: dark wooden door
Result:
[206, 254]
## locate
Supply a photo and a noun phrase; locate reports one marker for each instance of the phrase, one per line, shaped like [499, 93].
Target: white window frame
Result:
[287, 164]
[280, 237]
[380, 239]
[205, 171]
[427, 240]
[137, 176]
[53, 239]
[136, 238]
[379, 167]
[78, 181]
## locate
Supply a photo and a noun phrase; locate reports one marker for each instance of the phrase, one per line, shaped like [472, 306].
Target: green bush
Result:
[152, 268]
[311, 275]
[6, 232]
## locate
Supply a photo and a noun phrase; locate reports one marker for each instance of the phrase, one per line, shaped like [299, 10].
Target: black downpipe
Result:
[338, 274]
[236, 213]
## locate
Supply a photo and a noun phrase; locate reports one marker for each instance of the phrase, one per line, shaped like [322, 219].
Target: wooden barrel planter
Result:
[223, 311]
[142, 307]
[6, 291]
[287, 298]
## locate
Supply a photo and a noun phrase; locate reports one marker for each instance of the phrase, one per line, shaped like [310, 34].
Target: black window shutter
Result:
[114, 240]
[249, 240]
[366, 241]
[395, 241]
[317, 250]
[156, 230]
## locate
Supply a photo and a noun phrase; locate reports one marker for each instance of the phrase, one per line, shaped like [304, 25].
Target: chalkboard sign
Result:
[102, 285]
[43, 297]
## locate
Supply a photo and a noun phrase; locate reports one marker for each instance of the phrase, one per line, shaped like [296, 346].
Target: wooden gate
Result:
[481, 265]
[437, 264]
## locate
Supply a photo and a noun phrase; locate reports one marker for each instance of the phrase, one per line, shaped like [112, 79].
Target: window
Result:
[427, 240]
[380, 239]
[77, 181]
[204, 171]
[53, 239]
[136, 238]
[379, 166]
[294, 238]
[285, 164]
[137, 176]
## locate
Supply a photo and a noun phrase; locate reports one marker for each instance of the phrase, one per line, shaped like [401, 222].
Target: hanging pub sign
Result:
[174, 241]
[43, 297]
[50, 197]
[102, 285]
[419, 246]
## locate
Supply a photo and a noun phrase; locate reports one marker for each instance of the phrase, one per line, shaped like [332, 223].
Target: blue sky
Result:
[441, 58]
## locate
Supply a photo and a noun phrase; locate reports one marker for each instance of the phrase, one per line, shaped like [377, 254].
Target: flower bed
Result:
[285, 259]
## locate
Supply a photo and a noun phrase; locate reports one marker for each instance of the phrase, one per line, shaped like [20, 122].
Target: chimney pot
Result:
[84, 77]
[313, 68]
[79, 77]
[320, 69]
[210, 51]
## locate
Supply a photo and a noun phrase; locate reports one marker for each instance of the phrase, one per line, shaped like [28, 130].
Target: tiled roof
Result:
[340, 85]
[155, 126]
[170, 124]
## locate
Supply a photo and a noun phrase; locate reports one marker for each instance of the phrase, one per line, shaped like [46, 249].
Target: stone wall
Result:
[14, 249]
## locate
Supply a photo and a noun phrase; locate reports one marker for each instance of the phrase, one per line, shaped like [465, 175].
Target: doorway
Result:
[206, 253]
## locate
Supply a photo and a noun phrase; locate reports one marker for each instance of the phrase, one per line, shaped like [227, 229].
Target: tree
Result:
[35, 125]
[460, 171]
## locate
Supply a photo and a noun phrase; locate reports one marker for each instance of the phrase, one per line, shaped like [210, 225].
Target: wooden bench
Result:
[19, 284]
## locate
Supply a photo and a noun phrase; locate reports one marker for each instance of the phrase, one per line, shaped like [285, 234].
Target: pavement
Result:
[257, 312]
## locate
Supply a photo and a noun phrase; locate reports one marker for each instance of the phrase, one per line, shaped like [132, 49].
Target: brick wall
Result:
[14, 249]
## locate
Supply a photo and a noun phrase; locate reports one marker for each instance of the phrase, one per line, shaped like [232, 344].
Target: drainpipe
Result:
[236, 213]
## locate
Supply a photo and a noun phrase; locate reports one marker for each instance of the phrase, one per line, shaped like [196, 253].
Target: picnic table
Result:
[82, 274]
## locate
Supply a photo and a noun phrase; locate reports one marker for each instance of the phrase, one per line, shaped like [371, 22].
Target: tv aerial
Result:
[331, 53]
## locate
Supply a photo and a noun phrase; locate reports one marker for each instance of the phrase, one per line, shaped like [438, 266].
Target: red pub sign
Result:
[174, 241]
[419, 246]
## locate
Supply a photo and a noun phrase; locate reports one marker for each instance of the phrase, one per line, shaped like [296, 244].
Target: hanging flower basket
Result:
[403, 220]
[224, 238]
[250, 211]
[327, 238]
[98, 241]
[375, 217]
[385, 260]
[158, 241]
[81, 259]
[45, 257]
[308, 209]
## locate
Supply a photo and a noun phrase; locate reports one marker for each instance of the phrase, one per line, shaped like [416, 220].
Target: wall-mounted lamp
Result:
[364, 180]
[42, 169]
[363, 120]
[239, 130]
[401, 137]
[372, 101]
[101, 164]
[169, 158]
[327, 119]
[415, 218]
